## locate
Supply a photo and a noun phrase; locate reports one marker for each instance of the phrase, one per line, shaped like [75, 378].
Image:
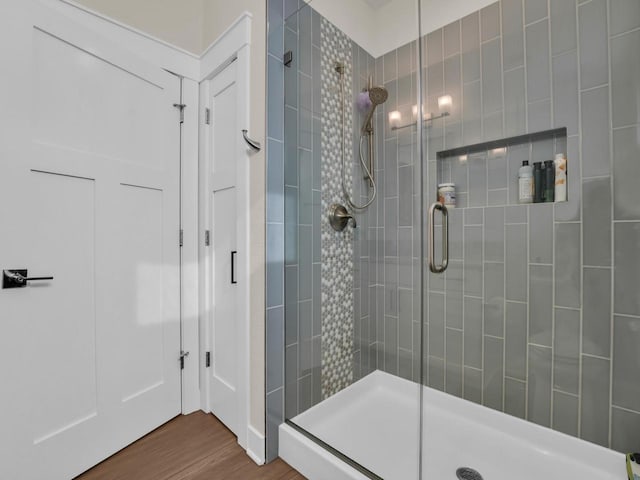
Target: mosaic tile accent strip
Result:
[337, 247]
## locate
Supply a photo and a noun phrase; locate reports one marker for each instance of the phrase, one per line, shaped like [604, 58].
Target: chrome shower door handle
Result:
[432, 240]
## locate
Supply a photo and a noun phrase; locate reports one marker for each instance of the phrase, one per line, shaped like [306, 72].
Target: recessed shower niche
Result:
[489, 173]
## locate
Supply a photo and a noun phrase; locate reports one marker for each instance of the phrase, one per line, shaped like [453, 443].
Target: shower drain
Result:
[466, 473]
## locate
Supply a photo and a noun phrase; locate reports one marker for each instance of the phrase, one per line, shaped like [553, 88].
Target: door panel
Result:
[89, 193]
[225, 105]
[224, 328]
[223, 394]
[142, 278]
[132, 138]
[66, 335]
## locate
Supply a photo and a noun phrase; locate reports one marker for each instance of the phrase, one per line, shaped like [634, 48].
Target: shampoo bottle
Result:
[561, 178]
[549, 181]
[525, 183]
[538, 182]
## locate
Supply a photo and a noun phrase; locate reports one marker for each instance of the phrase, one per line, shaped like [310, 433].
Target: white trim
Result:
[256, 445]
[204, 252]
[234, 44]
[153, 50]
[226, 47]
[189, 281]
[136, 31]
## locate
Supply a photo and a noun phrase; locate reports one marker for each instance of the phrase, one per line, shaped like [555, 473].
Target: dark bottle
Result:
[538, 182]
[549, 181]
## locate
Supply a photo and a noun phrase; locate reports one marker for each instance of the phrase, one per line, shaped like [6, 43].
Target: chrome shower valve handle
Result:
[339, 217]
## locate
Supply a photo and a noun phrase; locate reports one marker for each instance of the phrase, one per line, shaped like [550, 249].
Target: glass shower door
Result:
[352, 189]
[530, 309]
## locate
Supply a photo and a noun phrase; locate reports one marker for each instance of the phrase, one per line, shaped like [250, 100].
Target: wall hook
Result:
[252, 143]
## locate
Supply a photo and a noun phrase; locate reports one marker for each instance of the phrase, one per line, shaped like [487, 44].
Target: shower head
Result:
[377, 95]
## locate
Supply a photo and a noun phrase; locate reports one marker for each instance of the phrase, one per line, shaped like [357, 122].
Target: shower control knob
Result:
[339, 217]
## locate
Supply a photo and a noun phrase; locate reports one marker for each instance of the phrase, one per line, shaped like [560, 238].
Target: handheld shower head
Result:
[377, 95]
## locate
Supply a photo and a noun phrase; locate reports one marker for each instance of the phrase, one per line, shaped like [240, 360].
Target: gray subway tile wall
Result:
[523, 321]
[551, 310]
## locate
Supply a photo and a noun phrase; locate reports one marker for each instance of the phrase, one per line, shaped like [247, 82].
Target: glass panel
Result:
[530, 323]
[353, 297]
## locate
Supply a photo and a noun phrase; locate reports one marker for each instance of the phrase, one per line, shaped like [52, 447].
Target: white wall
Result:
[353, 17]
[178, 22]
[388, 27]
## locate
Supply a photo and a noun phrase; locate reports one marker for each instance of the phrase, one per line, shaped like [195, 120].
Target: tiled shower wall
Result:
[313, 350]
[538, 314]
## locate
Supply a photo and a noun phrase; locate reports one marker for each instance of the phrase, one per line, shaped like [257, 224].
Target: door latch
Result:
[19, 278]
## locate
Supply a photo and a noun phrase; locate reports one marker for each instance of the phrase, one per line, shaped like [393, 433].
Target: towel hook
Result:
[252, 143]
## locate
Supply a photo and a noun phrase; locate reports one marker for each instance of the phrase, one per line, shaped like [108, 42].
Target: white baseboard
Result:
[255, 445]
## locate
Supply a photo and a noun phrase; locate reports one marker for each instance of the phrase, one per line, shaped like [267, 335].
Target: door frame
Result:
[232, 47]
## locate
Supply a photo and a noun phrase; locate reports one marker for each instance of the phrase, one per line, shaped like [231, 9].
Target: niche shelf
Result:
[486, 174]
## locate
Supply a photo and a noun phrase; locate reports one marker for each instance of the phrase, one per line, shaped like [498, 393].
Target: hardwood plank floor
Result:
[191, 447]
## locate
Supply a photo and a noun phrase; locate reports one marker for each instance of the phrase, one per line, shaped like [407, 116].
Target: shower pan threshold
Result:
[375, 423]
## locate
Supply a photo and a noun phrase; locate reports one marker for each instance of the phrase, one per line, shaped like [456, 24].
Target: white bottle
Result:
[561, 178]
[525, 183]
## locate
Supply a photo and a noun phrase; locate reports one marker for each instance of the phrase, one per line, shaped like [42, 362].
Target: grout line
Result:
[553, 390]
[618, 35]
[513, 379]
[540, 20]
[622, 127]
[590, 89]
[600, 357]
[625, 315]
[624, 409]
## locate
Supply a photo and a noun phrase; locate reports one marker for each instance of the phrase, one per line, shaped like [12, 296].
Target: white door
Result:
[89, 171]
[226, 272]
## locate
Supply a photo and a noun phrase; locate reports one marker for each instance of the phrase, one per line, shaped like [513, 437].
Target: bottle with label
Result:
[549, 181]
[447, 194]
[525, 183]
[561, 178]
[538, 182]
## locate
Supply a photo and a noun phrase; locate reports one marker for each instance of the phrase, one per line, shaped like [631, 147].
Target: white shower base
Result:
[375, 423]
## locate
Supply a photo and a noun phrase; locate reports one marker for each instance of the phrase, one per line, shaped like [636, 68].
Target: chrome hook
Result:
[252, 143]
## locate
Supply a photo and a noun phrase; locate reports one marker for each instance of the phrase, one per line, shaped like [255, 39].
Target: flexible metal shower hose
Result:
[347, 196]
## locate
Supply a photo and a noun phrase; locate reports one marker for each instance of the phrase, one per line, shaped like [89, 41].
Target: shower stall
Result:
[426, 318]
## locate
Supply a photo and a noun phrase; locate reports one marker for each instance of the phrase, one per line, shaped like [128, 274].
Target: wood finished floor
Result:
[191, 447]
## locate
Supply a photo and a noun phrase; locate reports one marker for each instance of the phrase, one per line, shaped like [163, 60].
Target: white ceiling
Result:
[382, 25]
[376, 4]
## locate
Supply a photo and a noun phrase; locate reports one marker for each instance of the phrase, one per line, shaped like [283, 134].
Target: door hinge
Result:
[181, 237]
[207, 359]
[207, 116]
[181, 107]
[183, 355]
[207, 238]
